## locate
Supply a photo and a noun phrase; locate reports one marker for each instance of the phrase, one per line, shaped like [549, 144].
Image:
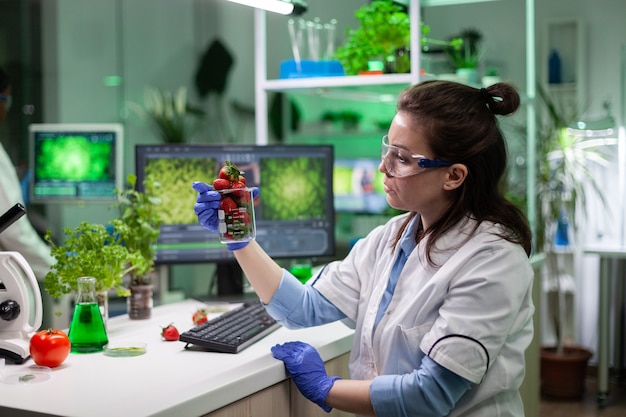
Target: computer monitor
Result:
[294, 211]
[358, 186]
[75, 162]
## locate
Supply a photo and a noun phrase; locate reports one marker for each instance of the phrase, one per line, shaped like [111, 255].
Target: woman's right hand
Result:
[207, 205]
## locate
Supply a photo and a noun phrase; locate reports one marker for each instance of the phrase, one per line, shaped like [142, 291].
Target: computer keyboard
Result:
[232, 331]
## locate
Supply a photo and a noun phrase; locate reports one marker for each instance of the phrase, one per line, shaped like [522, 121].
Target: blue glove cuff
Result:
[236, 246]
[324, 388]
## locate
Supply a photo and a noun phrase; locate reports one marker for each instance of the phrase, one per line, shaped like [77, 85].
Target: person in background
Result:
[21, 236]
[440, 296]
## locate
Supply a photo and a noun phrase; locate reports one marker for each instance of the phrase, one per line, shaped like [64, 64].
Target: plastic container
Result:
[308, 68]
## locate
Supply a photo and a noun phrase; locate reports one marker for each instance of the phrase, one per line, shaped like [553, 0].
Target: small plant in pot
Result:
[138, 228]
[465, 58]
[564, 184]
[89, 250]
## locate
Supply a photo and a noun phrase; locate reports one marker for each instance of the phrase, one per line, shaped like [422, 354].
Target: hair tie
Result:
[486, 96]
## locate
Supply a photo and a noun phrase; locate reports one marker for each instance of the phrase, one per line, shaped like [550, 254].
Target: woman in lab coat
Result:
[21, 236]
[440, 297]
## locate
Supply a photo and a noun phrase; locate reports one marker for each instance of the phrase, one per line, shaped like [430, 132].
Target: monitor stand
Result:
[229, 279]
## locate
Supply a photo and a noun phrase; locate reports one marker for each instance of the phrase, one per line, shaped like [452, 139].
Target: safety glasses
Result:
[401, 163]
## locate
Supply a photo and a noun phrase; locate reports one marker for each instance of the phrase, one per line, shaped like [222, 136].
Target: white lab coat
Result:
[472, 315]
[20, 236]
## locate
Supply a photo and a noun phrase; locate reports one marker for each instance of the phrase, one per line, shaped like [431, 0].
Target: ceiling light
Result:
[286, 7]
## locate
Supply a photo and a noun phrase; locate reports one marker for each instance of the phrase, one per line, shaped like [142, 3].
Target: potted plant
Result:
[89, 250]
[465, 58]
[137, 227]
[564, 179]
[383, 35]
[169, 113]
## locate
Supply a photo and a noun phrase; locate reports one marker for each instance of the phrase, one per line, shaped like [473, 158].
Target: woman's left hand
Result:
[307, 369]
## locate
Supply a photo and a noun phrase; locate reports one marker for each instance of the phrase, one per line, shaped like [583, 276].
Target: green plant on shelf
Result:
[384, 34]
[466, 50]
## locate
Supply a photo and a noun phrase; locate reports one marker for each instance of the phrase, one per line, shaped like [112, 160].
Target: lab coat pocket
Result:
[409, 355]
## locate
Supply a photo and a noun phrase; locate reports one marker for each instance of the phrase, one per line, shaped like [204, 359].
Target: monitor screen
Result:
[358, 186]
[294, 211]
[75, 162]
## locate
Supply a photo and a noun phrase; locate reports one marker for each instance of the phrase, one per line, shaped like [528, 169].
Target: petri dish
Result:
[125, 349]
[25, 375]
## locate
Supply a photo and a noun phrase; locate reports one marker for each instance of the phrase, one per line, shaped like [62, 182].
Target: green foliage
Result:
[492, 71]
[177, 196]
[384, 30]
[465, 50]
[170, 114]
[90, 161]
[296, 191]
[384, 34]
[138, 226]
[89, 250]
[564, 182]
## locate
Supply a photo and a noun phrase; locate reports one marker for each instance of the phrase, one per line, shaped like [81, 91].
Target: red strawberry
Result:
[240, 195]
[200, 316]
[170, 333]
[221, 184]
[229, 172]
[228, 205]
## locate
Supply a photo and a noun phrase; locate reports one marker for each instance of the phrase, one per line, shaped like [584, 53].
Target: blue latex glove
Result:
[307, 370]
[207, 206]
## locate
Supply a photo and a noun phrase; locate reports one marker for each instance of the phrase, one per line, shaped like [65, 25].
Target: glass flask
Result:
[87, 332]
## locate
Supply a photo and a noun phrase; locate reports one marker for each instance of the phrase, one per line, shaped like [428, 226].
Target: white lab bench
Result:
[168, 380]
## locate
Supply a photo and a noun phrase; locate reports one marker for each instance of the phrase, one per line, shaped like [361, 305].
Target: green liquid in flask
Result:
[87, 333]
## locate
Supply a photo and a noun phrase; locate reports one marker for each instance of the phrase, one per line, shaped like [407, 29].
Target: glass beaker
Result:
[236, 215]
[87, 332]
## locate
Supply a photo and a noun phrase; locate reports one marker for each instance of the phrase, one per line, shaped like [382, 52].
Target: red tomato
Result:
[49, 347]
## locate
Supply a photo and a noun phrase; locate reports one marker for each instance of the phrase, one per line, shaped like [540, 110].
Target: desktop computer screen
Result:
[294, 210]
[75, 162]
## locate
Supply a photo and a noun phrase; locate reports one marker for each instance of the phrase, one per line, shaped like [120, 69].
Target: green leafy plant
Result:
[492, 71]
[384, 29]
[170, 114]
[138, 226]
[89, 250]
[564, 183]
[469, 51]
[383, 34]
